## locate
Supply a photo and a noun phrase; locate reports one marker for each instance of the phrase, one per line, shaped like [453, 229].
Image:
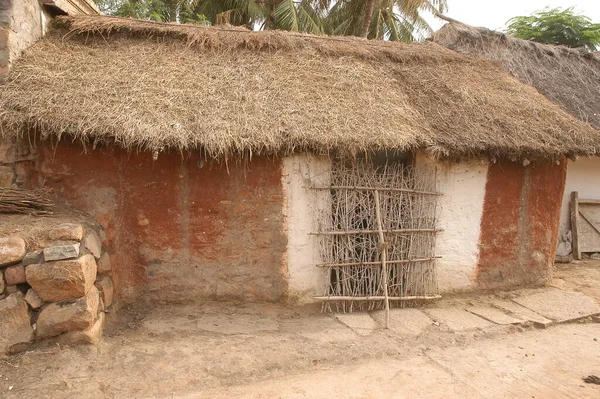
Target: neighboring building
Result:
[569, 77]
[22, 22]
[225, 163]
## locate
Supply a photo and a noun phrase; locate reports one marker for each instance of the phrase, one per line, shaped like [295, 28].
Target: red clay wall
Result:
[176, 230]
[519, 225]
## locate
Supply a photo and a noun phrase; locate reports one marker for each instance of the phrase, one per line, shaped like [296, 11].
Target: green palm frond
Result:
[286, 16]
[387, 19]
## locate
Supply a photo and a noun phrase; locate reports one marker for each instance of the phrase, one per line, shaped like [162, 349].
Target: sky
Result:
[493, 14]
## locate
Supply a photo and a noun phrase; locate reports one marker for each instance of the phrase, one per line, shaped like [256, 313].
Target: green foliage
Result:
[556, 26]
[182, 11]
[390, 19]
[374, 19]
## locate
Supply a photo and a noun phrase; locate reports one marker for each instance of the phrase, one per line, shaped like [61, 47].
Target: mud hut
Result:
[225, 163]
[568, 77]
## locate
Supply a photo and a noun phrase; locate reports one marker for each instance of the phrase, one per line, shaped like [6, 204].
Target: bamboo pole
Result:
[384, 269]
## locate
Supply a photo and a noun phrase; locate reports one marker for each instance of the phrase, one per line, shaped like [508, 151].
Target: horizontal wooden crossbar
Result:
[347, 232]
[391, 189]
[377, 298]
[588, 201]
[377, 263]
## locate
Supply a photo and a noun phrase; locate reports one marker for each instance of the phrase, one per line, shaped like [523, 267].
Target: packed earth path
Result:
[227, 350]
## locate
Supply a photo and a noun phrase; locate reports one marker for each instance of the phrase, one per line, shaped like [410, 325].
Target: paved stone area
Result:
[457, 319]
[408, 321]
[522, 313]
[325, 329]
[542, 308]
[560, 306]
[494, 315]
[361, 323]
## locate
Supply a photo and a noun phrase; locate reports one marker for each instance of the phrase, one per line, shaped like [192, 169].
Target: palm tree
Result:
[373, 19]
[383, 19]
[293, 15]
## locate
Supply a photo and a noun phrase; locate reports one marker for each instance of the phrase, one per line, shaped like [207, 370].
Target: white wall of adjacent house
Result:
[23, 22]
[301, 209]
[583, 176]
[462, 185]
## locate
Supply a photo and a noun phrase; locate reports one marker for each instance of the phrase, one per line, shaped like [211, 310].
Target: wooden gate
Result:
[585, 225]
[377, 238]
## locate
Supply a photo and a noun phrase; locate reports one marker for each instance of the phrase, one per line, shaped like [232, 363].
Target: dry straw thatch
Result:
[569, 77]
[148, 85]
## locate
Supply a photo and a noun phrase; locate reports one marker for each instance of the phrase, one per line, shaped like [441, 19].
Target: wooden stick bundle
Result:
[32, 202]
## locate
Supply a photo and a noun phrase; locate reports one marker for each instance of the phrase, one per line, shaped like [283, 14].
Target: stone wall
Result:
[58, 286]
[15, 159]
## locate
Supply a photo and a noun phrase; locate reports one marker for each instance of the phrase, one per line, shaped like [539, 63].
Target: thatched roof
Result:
[149, 85]
[569, 77]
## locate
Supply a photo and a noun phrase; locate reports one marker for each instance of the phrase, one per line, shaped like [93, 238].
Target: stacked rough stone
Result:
[61, 290]
[15, 160]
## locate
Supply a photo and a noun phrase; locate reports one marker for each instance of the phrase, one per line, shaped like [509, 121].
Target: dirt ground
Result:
[581, 276]
[226, 350]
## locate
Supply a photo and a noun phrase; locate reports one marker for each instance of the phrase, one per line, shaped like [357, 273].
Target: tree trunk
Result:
[367, 17]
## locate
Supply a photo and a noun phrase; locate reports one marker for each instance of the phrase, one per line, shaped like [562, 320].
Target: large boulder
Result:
[67, 231]
[33, 299]
[104, 263]
[106, 288]
[90, 335]
[15, 327]
[61, 252]
[33, 257]
[73, 315]
[92, 243]
[15, 275]
[62, 280]
[12, 250]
